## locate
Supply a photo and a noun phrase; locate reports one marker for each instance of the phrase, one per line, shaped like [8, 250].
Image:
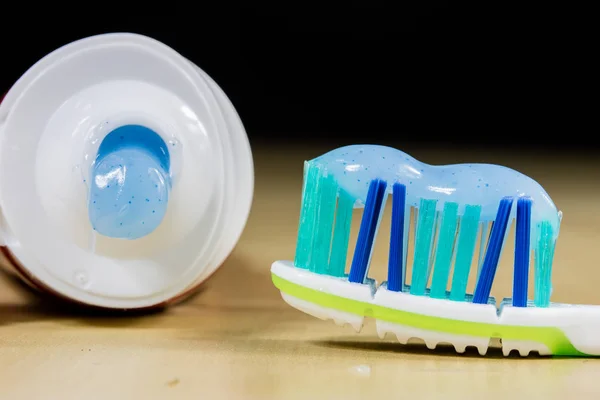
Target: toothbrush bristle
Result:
[368, 228]
[543, 265]
[308, 211]
[325, 213]
[492, 254]
[341, 234]
[445, 240]
[465, 248]
[445, 245]
[423, 242]
[522, 252]
[396, 261]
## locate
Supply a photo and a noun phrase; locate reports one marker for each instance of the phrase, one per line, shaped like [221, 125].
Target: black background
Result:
[432, 74]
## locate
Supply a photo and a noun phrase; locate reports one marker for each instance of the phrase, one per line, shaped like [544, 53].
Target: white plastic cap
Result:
[51, 124]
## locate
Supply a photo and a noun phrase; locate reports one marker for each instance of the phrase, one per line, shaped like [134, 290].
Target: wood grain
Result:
[236, 339]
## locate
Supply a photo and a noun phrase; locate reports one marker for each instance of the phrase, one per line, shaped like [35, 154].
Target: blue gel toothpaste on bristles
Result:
[130, 183]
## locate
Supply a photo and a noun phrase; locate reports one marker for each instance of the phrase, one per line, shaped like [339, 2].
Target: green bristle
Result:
[327, 197]
[341, 234]
[443, 257]
[544, 255]
[423, 243]
[465, 247]
[306, 226]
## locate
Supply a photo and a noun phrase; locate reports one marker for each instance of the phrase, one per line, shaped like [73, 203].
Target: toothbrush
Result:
[452, 206]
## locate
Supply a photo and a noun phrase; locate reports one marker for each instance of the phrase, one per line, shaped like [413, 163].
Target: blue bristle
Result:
[396, 261]
[522, 252]
[492, 254]
[366, 234]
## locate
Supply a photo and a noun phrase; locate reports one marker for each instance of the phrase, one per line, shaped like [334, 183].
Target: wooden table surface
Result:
[237, 339]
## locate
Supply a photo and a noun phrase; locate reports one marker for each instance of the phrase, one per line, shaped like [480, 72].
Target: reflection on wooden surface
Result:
[238, 339]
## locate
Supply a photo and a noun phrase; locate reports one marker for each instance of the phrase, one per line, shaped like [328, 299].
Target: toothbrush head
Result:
[457, 220]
